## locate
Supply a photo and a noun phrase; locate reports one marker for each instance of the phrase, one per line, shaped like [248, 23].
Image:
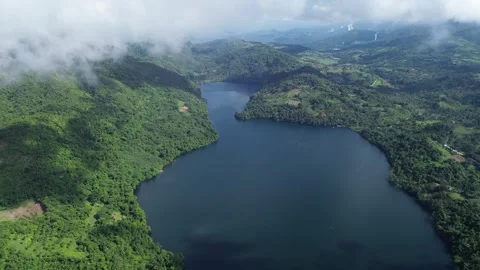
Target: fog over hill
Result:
[51, 34]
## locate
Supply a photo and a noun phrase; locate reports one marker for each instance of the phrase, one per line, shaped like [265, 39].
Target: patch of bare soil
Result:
[1, 162]
[457, 158]
[30, 209]
[3, 144]
[184, 109]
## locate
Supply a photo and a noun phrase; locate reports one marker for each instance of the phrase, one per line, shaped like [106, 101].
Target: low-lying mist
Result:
[43, 36]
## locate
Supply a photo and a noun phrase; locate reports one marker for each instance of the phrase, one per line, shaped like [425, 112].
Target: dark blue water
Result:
[282, 196]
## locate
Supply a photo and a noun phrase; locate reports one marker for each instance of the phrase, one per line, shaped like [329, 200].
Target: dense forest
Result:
[74, 148]
[81, 151]
[421, 107]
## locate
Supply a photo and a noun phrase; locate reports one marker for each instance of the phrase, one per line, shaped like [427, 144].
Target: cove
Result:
[282, 196]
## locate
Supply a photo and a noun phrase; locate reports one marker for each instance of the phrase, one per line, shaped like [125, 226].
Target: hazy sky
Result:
[46, 34]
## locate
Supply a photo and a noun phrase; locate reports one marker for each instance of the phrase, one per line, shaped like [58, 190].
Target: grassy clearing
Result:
[439, 147]
[294, 103]
[182, 106]
[449, 106]
[376, 83]
[94, 209]
[293, 93]
[117, 216]
[456, 196]
[458, 158]
[461, 130]
[28, 246]
[428, 122]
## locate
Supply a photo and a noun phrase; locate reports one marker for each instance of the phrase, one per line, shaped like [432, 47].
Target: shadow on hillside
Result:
[41, 161]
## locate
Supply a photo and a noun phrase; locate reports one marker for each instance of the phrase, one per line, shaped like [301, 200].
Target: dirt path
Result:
[27, 210]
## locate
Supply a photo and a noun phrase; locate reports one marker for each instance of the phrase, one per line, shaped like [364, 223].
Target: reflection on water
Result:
[210, 252]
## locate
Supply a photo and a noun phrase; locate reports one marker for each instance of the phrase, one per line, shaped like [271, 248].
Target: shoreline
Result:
[424, 206]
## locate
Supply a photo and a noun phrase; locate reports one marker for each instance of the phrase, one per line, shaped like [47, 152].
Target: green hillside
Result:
[425, 116]
[72, 152]
[233, 60]
[81, 151]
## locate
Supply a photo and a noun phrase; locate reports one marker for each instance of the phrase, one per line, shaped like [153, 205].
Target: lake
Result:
[281, 196]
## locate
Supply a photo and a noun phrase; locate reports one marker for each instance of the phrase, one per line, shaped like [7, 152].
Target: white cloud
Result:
[43, 35]
[392, 10]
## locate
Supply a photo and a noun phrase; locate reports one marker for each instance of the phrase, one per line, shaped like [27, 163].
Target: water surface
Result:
[282, 196]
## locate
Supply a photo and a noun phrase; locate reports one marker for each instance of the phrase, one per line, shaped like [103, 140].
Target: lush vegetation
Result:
[80, 145]
[419, 104]
[231, 60]
[81, 151]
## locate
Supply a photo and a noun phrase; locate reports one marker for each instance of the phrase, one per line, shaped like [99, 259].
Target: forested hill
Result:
[230, 60]
[73, 153]
[73, 149]
[417, 61]
[421, 107]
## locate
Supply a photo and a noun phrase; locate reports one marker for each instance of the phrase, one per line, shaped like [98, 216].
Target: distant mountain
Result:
[354, 36]
[290, 48]
[296, 36]
[344, 36]
[311, 35]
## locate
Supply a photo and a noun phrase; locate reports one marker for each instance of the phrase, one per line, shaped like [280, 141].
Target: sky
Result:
[50, 34]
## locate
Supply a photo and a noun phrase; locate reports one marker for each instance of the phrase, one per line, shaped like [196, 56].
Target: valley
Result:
[81, 149]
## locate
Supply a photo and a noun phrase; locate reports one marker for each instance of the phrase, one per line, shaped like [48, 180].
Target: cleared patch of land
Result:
[294, 92]
[457, 158]
[182, 106]
[28, 209]
[117, 216]
[184, 109]
[428, 122]
[438, 146]
[456, 196]
[461, 130]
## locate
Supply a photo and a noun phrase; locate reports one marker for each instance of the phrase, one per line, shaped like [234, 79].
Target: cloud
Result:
[50, 34]
[395, 10]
